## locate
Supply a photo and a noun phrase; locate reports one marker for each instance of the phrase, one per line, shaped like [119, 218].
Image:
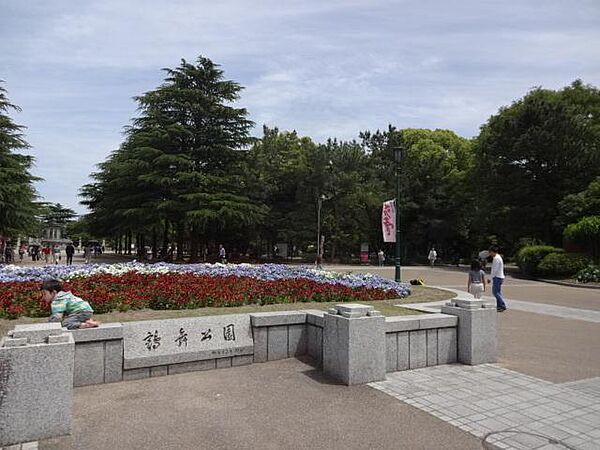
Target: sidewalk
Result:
[513, 410]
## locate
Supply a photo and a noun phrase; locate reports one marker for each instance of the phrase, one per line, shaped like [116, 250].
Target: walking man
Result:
[69, 250]
[497, 278]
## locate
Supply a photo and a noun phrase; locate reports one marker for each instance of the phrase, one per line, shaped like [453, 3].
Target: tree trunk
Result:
[180, 238]
[193, 245]
[154, 243]
[165, 242]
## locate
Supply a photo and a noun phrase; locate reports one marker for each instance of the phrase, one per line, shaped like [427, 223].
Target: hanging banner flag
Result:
[388, 221]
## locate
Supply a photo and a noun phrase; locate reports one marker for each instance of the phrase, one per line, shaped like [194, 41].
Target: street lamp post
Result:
[319, 203]
[397, 156]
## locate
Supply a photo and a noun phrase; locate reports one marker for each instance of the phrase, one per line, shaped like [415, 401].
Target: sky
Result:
[322, 68]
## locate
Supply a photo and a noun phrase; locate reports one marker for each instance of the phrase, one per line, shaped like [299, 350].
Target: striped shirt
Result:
[66, 303]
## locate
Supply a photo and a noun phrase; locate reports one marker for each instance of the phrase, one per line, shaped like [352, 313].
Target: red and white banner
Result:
[388, 221]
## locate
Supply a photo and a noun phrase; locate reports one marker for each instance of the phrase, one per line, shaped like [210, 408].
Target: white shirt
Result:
[497, 267]
[432, 254]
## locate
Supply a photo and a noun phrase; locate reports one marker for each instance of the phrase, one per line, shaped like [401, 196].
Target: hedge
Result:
[563, 264]
[530, 257]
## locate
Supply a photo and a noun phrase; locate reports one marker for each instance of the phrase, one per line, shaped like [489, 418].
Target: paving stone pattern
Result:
[488, 398]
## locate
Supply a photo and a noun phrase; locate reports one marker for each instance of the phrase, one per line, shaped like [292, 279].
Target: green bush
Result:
[591, 274]
[563, 264]
[530, 257]
[587, 233]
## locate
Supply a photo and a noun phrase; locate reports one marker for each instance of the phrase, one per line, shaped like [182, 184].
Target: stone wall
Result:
[411, 342]
[420, 340]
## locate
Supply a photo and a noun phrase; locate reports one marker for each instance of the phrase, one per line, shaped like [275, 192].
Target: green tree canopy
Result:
[182, 162]
[17, 194]
[532, 154]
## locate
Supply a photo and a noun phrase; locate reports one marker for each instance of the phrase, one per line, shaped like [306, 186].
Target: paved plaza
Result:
[520, 412]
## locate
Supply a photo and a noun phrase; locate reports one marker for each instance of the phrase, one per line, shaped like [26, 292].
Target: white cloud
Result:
[326, 69]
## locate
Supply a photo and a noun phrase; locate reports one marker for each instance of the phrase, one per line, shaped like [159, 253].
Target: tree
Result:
[182, 163]
[435, 201]
[575, 206]
[17, 194]
[587, 233]
[56, 214]
[532, 154]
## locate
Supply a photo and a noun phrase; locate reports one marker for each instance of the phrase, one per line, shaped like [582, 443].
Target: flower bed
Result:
[169, 286]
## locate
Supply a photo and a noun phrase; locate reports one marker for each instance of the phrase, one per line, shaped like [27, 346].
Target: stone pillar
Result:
[354, 344]
[477, 337]
[36, 383]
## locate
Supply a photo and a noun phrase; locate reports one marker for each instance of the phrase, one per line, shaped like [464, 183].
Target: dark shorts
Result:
[73, 321]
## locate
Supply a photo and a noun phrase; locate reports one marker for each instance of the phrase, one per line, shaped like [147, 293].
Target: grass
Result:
[419, 294]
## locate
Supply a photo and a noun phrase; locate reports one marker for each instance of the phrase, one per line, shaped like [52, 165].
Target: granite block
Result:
[353, 310]
[89, 364]
[315, 317]
[10, 342]
[207, 364]
[277, 342]
[477, 334]
[354, 349]
[417, 342]
[296, 340]
[104, 332]
[36, 333]
[57, 339]
[113, 360]
[260, 344]
[36, 391]
[159, 371]
[315, 343]
[438, 320]
[136, 374]
[274, 318]
[432, 346]
[241, 360]
[447, 346]
[391, 352]
[164, 342]
[403, 351]
[400, 323]
[29, 445]
[223, 363]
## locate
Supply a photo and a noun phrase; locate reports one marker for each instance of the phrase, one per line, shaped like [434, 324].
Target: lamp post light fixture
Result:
[397, 158]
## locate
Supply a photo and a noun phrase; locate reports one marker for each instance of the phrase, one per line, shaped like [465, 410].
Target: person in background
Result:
[8, 254]
[46, 253]
[56, 254]
[380, 257]
[432, 256]
[22, 249]
[222, 254]
[70, 251]
[497, 276]
[476, 280]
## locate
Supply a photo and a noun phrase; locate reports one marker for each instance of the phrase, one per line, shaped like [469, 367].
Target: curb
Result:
[565, 283]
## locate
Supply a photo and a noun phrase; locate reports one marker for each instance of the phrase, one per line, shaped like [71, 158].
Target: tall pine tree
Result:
[17, 194]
